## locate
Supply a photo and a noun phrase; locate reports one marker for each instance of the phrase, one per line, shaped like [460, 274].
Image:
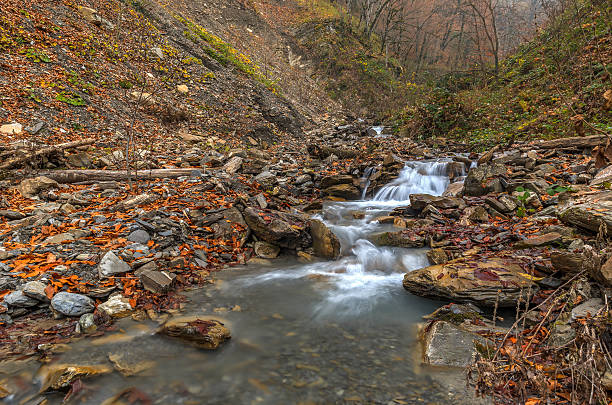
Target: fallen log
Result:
[78, 176]
[44, 151]
[575, 142]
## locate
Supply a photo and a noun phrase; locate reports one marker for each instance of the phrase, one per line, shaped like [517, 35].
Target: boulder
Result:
[324, 242]
[202, 332]
[448, 345]
[29, 188]
[419, 201]
[278, 228]
[266, 179]
[111, 265]
[484, 179]
[266, 250]
[346, 191]
[71, 304]
[472, 279]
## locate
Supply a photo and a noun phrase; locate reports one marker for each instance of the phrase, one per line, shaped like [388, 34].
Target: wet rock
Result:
[71, 304]
[405, 238]
[266, 250]
[280, 229]
[233, 165]
[20, 300]
[346, 191]
[36, 290]
[324, 242]
[117, 306]
[129, 365]
[157, 282]
[420, 201]
[57, 376]
[455, 313]
[587, 309]
[476, 280]
[111, 265]
[448, 345]
[540, 240]
[437, 256]
[29, 188]
[484, 179]
[87, 323]
[202, 332]
[139, 236]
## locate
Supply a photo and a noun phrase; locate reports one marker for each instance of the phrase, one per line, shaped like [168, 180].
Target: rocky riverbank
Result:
[523, 228]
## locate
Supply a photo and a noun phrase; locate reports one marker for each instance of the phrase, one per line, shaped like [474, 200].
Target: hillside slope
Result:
[556, 85]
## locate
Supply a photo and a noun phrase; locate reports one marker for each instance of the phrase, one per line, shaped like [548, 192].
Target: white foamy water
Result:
[366, 273]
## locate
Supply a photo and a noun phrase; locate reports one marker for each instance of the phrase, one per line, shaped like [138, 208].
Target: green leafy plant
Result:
[125, 84]
[37, 56]
[556, 189]
[522, 198]
[70, 98]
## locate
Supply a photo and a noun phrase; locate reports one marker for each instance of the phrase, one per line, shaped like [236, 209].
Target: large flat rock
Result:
[478, 280]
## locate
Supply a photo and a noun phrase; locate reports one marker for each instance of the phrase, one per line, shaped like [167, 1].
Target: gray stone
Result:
[111, 265]
[11, 215]
[19, 299]
[71, 304]
[448, 345]
[266, 179]
[336, 179]
[59, 238]
[420, 201]
[346, 191]
[483, 179]
[299, 180]
[36, 290]
[588, 308]
[139, 236]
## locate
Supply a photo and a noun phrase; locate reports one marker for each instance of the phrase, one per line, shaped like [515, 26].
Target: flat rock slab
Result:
[540, 240]
[478, 280]
[447, 345]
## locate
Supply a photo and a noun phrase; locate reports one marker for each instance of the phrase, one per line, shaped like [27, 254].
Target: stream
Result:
[340, 331]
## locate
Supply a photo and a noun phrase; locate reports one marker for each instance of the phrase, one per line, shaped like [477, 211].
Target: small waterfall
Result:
[416, 178]
[366, 273]
[366, 180]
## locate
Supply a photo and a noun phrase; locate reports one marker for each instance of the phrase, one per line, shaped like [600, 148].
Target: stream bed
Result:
[342, 331]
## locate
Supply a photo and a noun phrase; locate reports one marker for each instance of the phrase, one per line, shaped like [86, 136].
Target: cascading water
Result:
[365, 272]
[329, 332]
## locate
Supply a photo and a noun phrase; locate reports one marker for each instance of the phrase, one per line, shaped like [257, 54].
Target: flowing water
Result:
[340, 331]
